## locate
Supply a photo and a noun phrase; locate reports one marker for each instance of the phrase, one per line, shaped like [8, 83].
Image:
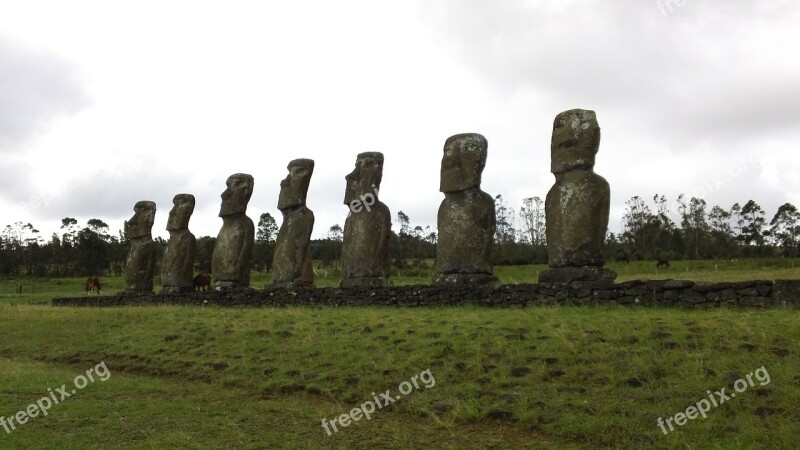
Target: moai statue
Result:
[466, 219]
[365, 249]
[291, 263]
[577, 205]
[177, 266]
[139, 266]
[230, 261]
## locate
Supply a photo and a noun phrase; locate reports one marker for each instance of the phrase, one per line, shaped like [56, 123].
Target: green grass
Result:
[264, 378]
[550, 377]
[135, 411]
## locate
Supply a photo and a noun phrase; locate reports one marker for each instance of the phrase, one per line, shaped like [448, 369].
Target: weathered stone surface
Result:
[677, 284]
[786, 293]
[291, 264]
[704, 287]
[506, 296]
[230, 261]
[365, 282]
[582, 274]
[141, 261]
[461, 279]
[177, 265]
[466, 219]
[365, 248]
[575, 141]
[692, 296]
[577, 205]
[749, 301]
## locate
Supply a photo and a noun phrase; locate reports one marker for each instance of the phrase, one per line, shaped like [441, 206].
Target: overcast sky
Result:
[105, 103]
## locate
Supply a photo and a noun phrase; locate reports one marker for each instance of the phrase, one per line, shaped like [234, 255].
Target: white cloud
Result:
[184, 94]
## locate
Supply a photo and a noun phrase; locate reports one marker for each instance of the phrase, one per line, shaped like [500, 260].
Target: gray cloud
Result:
[35, 87]
[704, 70]
[110, 196]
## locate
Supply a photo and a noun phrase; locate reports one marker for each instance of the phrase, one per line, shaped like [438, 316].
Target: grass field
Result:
[554, 377]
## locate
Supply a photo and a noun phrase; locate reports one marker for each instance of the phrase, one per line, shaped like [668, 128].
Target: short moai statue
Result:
[141, 261]
[177, 265]
[466, 219]
[291, 263]
[365, 248]
[230, 261]
[577, 205]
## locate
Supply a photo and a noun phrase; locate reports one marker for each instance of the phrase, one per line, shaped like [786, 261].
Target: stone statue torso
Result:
[577, 216]
[231, 258]
[139, 266]
[177, 265]
[292, 261]
[366, 243]
[466, 232]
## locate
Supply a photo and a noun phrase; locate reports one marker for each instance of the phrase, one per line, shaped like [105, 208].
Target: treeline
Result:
[651, 231]
[703, 232]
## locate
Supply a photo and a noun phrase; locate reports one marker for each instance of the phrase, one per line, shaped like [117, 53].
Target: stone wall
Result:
[670, 293]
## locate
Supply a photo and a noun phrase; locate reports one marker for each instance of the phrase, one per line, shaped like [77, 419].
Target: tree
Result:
[785, 229]
[91, 249]
[334, 243]
[264, 247]
[736, 217]
[31, 251]
[638, 232]
[57, 257]
[719, 220]
[752, 224]
[70, 227]
[100, 228]
[429, 239]
[14, 238]
[722, 234]
[402, 237]
[267, 228]
[205, 249]
[694, 225]
[69, 232]
[532, 215]
[504, 232]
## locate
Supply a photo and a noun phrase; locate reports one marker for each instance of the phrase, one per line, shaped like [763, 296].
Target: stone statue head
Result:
[141, 223]
[294, 187]
[576, 138]
[182, 209]
[365, 178]
[237, 194]
[463, 162]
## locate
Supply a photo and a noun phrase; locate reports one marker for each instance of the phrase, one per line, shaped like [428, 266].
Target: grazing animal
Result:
[202, 280]
[733, 259]
[623, 259]
[662, 264]
[93, 285]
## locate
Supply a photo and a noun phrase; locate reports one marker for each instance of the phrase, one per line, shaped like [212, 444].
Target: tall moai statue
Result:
[141, 261]
[230, 261]
[177, 266]
[291, 263]
[365, 249]
[466, 220]
[577, 205]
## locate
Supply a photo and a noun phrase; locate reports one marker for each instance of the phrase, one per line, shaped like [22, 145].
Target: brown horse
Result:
[93, 285]
[202, 280]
